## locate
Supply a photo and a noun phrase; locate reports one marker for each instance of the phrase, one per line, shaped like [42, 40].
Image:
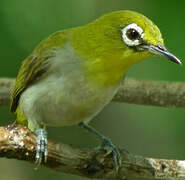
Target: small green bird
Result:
[70, 77]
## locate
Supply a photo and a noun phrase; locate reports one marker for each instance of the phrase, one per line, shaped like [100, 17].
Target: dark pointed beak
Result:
[161, 51]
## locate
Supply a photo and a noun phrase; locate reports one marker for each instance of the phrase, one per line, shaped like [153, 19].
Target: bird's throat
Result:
[104, 73]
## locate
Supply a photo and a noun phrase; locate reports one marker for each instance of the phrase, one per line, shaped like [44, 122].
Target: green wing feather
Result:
[31, 71]
[35, 66]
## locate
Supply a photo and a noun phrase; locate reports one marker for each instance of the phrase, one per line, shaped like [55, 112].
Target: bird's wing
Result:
[35, 66]
[31, 71]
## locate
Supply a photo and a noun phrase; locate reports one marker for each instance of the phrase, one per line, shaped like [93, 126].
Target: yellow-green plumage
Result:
[98, 44]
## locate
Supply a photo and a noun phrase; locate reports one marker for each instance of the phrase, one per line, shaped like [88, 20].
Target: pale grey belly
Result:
[64, 102]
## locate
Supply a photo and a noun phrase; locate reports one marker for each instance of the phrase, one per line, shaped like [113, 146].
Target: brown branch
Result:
[156, 93]
[166, 94]
[19, 142]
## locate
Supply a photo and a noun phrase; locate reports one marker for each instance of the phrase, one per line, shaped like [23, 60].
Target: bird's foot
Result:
[41, 149]
[110, 148]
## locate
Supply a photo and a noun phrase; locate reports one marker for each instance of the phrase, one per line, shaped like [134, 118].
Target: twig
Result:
[155, 93]
[19, 142]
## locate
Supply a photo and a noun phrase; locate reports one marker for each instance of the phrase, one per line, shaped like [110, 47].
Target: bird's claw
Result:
[41, 148]
[109, 147]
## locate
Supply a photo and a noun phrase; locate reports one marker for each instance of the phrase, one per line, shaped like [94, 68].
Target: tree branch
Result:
[166, 94]
[19, 142]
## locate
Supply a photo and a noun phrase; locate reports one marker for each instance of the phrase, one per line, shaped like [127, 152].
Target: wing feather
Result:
[35, 66]
[32, 70]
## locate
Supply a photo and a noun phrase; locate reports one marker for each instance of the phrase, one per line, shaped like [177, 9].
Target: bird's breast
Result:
[65, 96]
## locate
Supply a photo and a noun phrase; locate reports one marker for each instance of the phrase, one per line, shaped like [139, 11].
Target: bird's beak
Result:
[161, 51]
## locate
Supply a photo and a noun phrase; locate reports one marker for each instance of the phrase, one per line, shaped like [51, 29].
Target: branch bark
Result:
[19, 142]
[155, 93]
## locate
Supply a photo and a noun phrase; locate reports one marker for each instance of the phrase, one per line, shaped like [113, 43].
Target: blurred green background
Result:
[144, 130]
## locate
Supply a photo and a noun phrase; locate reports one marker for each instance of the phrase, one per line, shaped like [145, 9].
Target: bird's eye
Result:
[132, 35]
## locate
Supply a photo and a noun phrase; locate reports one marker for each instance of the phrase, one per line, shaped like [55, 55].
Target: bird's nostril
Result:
[161, 47]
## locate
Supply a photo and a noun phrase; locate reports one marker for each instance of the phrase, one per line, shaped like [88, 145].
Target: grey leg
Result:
[41, 149]
[106, 145]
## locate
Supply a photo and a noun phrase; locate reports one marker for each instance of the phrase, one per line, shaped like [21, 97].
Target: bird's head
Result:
[129, 30]
[120, 39]
[143, 35]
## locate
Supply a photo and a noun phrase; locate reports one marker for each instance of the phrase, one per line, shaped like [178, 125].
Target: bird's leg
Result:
[106, 145]
[41, 149]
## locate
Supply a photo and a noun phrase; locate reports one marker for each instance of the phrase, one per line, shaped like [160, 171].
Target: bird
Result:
[73, 74]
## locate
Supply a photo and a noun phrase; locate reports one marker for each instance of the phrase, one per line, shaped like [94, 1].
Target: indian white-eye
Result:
[74, 73]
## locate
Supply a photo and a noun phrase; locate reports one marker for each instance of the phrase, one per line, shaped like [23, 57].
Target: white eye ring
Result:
[130, 42]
